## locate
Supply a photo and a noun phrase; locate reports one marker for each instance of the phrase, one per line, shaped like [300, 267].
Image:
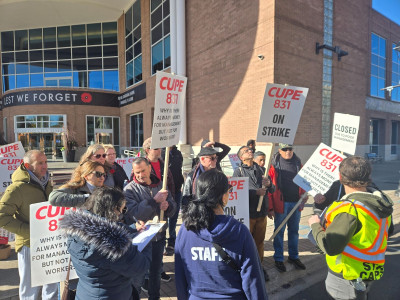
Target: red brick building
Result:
[229, 50]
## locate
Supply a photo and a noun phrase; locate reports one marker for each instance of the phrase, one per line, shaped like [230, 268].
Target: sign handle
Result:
[288, 216]
[260, 200]
[165, 178]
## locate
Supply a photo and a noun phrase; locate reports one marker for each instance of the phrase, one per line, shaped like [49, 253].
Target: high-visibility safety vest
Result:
[364, 255]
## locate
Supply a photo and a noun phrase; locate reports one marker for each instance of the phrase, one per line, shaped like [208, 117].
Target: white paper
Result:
[144, 237]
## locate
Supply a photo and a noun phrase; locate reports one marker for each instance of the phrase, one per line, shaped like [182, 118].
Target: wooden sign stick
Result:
[260, 200]
[165, 178]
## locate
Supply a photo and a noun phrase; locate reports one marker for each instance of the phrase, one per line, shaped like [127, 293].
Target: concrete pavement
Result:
[282, 285]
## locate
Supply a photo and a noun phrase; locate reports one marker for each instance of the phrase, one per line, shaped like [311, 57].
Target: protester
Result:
[354, 233]
[157, 165]
[207, 161]
[30, 184]
[84, 180]
[258, 186]
[175, 166]
[116, 170]
[96, 152]
[101, 248]
[252, 145]
[145, 200]
[199, 271]
[157, 168]
[220, 155]
[259, 158]
[284, 167]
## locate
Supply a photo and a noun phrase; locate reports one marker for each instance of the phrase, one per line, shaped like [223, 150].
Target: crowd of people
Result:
[214, 253]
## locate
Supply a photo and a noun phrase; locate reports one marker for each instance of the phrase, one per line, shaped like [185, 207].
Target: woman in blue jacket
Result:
[101, 248]
[200, 272]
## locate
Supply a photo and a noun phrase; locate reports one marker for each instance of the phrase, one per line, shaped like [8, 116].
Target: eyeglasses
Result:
[99, 174]
[230, 188]
[287, 149]
[100, 155]
[212, 158]
[110, 154]
[247, 150]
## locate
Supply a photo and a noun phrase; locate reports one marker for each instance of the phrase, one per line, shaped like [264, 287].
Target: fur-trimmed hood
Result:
[108, 238]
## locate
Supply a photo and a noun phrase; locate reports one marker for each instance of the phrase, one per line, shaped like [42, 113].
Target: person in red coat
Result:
[284, 167]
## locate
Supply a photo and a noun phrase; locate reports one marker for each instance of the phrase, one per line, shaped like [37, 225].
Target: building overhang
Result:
[28, 14]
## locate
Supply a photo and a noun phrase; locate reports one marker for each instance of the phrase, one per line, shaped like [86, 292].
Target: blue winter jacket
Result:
[102, 253]
[201, 274]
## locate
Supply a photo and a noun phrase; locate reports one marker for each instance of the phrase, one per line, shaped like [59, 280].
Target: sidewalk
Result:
[281, 285]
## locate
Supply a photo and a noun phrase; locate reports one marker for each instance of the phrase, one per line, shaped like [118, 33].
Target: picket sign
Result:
[345, 132]
[170, 97]
[279, 117]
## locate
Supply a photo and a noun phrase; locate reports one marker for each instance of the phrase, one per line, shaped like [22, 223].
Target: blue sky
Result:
[388, 8]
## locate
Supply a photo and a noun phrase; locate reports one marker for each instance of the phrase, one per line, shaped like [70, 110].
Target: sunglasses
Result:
[287, 149]
[100, 155]
[212, 158]
[99, 174]
[230, 188]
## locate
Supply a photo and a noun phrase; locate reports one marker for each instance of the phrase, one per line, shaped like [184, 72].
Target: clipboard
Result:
[144, 237]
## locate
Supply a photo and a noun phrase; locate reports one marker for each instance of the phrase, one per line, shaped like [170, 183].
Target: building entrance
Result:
[49, 143]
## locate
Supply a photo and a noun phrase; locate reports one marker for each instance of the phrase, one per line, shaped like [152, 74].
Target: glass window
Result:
[95, 79]
[35, 55]
[94, 51]
[395, 95]
[22, 81]
[49, 37]
[94, 34]
[128, 21]
[36, 68]
[133, 45]
[378, 66]
[47, 52]
[159, 34]
[64, 36]
[138, 69]
[35, 39]
[21, 56]
[50, 54]
[116, 132]
[395, 137]
[7, 57]
[78, 35]
[136, 131]
[64, 53]
[111, 80]
[37, 79]
[21, 40]
[7, 41]
[110, 63]
[8, 69]
[110, 33]
[95, 64]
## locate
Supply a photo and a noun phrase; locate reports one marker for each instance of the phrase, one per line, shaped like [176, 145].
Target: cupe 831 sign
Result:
[280, 113]
[11, 157]
[169, 103]
[320, 171]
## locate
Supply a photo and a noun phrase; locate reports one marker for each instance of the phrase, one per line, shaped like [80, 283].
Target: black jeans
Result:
[155, 269]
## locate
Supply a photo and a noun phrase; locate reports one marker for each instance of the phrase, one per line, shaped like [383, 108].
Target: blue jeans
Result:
[172, 221]
[155, 269]
[293, 232]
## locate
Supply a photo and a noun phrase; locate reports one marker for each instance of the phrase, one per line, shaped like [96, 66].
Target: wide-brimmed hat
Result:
[207, 151]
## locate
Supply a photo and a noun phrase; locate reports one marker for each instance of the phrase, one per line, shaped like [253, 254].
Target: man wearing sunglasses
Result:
[207, 161]
[284, 167]
[258, 186]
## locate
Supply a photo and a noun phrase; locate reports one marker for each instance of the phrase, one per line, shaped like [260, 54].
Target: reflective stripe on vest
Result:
[374, 253]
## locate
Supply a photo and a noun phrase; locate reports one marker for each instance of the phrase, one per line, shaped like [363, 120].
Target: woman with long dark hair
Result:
[101, 249]
[206, 236]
